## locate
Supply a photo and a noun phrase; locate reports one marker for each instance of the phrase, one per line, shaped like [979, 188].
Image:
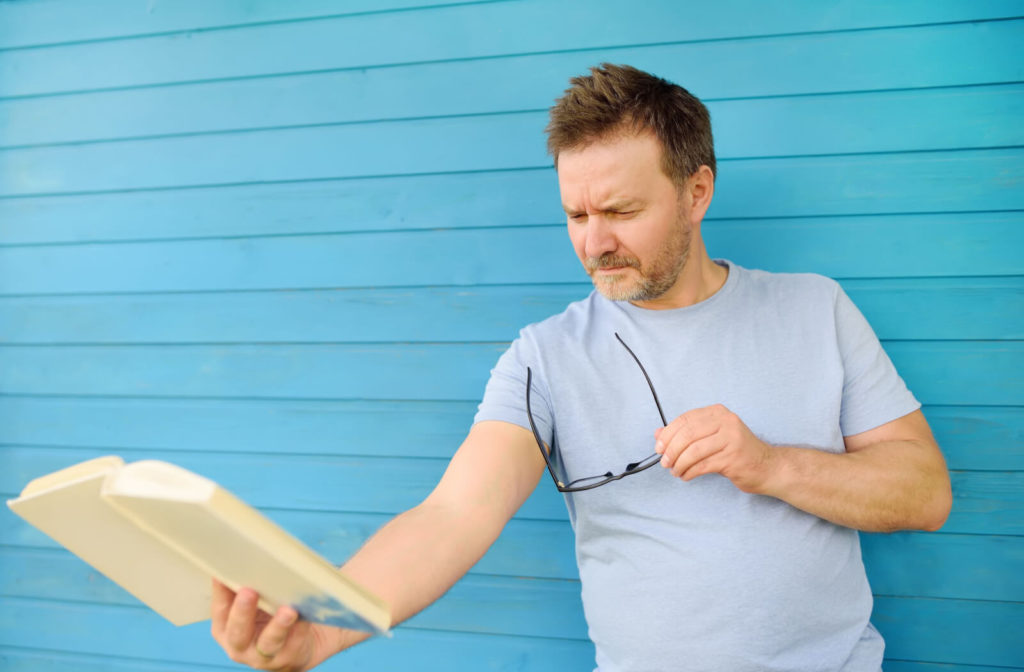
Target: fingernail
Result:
[664, 461]
[659, 447]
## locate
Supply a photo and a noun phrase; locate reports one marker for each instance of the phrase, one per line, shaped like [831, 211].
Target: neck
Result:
[699, 280]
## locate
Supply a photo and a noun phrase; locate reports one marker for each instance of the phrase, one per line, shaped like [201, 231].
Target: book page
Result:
[77, 517]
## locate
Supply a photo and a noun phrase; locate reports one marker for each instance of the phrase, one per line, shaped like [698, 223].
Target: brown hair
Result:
[616, 98]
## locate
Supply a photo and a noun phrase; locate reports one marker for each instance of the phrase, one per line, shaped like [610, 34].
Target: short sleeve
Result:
[873, 392]
[505, 395]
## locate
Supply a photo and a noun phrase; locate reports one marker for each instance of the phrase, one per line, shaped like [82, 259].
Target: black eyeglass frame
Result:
[607, 477]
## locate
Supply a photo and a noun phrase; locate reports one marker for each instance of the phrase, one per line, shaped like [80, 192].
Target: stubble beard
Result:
[654, 281]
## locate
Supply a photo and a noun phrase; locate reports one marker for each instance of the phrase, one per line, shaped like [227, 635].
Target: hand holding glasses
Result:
[590, 482]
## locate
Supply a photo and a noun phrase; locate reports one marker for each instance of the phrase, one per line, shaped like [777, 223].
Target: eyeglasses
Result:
[591, 482]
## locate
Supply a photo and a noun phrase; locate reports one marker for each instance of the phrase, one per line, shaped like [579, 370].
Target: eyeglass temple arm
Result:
[536, 434]
[642, 370]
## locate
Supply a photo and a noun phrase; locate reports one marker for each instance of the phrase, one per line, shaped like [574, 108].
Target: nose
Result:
[600, 239]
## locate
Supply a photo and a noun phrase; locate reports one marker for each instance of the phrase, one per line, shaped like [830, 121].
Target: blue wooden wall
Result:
[282, 243]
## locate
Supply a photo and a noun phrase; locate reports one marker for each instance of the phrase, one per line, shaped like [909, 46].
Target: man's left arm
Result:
[892, 477]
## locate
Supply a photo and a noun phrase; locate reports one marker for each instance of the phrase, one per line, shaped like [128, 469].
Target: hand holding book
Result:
[271, 642]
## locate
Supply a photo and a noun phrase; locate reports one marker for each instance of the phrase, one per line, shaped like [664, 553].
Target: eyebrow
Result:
[614, 206]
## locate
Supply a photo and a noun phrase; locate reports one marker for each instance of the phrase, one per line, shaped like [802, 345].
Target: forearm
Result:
[416, 558]
[884, 487]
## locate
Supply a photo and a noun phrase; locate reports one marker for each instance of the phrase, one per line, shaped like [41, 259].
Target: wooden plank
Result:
[979, 438]
[941, 372]
[425, 372]
[35, 24]
[914, 666]
[931, 367]
[751, 190]
[951, 631]
[813, 63]
[96, 631]
[867, 185]
[897, 121]
[960, 566]
[947, 309]
[425, 429]
[443, 33]
[987, 503]
[505, 256]
[19, 659]
[983, 502]
[899, 309]
[972, 437]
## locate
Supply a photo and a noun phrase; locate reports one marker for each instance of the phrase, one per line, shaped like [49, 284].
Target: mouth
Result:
[609, 265]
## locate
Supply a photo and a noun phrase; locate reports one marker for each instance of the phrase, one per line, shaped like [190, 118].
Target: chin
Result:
[616, 289]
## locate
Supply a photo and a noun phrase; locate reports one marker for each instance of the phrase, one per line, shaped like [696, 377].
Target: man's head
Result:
[617, 99]
[636, 173]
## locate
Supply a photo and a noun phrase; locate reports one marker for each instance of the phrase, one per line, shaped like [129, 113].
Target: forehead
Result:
[622, 166]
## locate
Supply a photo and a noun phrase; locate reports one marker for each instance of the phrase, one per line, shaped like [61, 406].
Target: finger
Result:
[689, 430]
[272, 640]
[694, 424]
[221, 598]
[697, 452]
[296, 643]
[241, 624]
[713, 464]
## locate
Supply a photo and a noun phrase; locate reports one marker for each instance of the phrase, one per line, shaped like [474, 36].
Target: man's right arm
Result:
[411, 561]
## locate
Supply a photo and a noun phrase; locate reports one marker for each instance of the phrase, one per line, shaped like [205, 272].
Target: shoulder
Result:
[571, 322]
[804, 287]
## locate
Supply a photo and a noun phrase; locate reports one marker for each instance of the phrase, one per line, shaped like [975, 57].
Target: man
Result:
[733, 546]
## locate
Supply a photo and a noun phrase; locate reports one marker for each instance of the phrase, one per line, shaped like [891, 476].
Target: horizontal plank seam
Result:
[388, 288]
[519, 518]
[252, 24]
[84, 655]
[32, 395]
[62, 552]
[458, 116]
[214, 398]
[545, 52]
[136, 344]
[473, 400]
[99, 397]
[398, 343]
[142, 607]
[289, 456]
[953, 666]
[423, 230]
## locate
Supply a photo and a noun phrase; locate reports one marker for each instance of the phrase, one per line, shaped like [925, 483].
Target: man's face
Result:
[626, 221]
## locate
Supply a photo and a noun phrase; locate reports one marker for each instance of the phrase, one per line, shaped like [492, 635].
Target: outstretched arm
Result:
[410, 562]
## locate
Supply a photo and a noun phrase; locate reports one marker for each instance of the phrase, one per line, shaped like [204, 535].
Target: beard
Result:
[655, 278]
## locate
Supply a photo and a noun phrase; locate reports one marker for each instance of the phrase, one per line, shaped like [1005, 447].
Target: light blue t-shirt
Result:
[699, 575]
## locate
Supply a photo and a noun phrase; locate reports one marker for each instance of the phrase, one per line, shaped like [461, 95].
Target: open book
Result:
[161, 532]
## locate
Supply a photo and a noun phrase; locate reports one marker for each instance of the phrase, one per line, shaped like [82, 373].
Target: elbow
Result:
[935, 514]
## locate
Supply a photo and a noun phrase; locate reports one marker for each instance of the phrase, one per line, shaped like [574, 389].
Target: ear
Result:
[701, 186]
